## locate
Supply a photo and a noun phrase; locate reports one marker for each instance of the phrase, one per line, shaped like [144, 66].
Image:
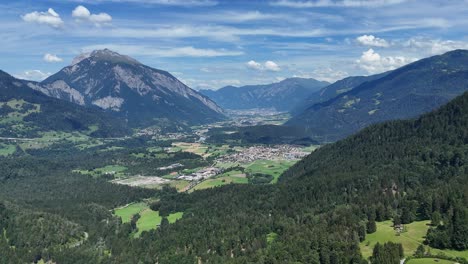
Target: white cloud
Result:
[372, 62]
[272, 66]
[52, 58]
[33, 75]
[81, 13]
[254, 65]
[324, 74]
[268, 65]
[50, 18]
[434, 46]
[166, 52]
[335, 3]
[370, 40]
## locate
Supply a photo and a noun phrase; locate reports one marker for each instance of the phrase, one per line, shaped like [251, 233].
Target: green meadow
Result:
[410, 239]
[271, 167]
[148, 220]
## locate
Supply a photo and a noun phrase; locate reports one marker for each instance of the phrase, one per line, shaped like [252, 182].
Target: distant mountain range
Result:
[24, 112]
[333, 90]
[283, 96]
[126, 88]
[406, 92]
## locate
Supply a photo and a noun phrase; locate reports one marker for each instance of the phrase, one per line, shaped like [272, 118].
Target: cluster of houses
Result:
[201, 174]
[252, 154]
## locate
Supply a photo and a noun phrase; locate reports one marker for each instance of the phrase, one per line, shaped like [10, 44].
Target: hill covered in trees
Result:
[282, 96]
[406, 92]
[318, 212]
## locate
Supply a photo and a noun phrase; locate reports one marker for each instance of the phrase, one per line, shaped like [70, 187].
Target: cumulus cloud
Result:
[370, 40]
[50, 18]
[52, 58]
[372, 62]
[81, 13]
[33, 75]
[254, 65]
[272, 66]
[268, 65]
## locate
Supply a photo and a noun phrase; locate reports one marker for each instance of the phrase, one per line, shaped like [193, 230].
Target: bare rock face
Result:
[124, 86]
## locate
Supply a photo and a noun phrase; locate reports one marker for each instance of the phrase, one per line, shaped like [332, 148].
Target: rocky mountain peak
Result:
[104, 55]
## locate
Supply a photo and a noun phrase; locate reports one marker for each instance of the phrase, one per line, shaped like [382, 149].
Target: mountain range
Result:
[406, 92]
[282, 96]
[126, 88]
[24, 112]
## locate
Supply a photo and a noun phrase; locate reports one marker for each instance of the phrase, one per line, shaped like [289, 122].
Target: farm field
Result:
[204, 150]
[411, 239]
[270, 167]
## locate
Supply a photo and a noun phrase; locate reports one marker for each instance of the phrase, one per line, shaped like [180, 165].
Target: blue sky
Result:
[214, 43]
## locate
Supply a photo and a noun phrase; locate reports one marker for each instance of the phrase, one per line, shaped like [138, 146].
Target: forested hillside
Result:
[282, 96]
[318, 213]
[406, 92]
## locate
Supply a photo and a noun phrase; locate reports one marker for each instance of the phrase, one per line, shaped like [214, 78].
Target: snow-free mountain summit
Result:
[127, 88]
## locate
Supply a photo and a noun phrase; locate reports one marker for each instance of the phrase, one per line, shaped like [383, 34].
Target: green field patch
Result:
[172, 218]
[428, 261]
[271, 167]
[150, 220]
[271, 237]
[180, 185]
[126, 213]
[220, 181]
[6, 149]
[410, 239]
[20, 109]
[114, 170]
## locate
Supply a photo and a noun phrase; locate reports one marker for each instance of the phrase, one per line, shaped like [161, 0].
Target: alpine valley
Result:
[339, 136]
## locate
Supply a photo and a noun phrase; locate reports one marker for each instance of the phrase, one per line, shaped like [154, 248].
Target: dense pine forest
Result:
[318, 213]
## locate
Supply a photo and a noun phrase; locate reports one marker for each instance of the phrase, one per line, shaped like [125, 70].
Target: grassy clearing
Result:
[220, 181]
[411, 239]
[271, 167]
[6, 149]
[172, 218]
[20, 110]
[149, 220]
[179, 184]
[115, 170]
[429, 260]
[126, 213]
